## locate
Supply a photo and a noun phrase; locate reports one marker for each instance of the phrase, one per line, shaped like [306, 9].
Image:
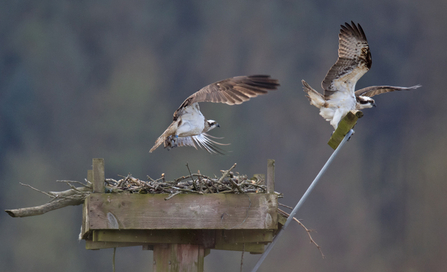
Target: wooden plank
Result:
[184, 211]
[168, 236]
[254, 248]
[178, 257]
[183, 236]
[344, 126]
[282, 219]
[252, 241]
[270, 176]
[98, 175]
[85, 226]
[244, 236]
[102, 245]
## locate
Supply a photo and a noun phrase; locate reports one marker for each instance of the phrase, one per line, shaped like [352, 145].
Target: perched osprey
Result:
[189, 127]
[354, 60]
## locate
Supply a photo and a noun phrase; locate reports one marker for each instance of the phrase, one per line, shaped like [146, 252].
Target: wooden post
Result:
[98, 175]
[178, 257]
[270, 176]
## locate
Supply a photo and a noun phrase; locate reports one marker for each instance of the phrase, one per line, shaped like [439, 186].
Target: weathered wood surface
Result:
[178, 257]
[98, 175]
[252, 241]
[184, 211]
[185, 224]
[207, 238]
[345, 125]
[103, 245]
[203, 237]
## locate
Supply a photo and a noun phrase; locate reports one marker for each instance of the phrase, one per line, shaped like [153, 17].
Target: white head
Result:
[365, 102]
[210, 124]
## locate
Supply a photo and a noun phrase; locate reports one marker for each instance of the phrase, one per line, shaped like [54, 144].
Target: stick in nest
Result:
[226, 173]
[193, 181]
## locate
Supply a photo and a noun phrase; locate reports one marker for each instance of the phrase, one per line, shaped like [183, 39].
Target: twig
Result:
[172, 195]
[242, 255]
[209, 188]
[150, 178]
[35, 189]
[226, 173]
[188, 190]
[308, 231]
[237, 186]
[283, 205]
[226, 191]
[193, 181]
[75, 181]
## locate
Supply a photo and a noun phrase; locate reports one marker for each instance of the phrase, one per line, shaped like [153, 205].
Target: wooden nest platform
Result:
[191, 214]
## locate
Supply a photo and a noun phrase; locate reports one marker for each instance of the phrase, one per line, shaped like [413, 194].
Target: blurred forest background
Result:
[86, 79]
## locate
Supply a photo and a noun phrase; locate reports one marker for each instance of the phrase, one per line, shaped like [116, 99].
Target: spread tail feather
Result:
[164, 138]
[159, 141]
[314, 97]
[203, 140]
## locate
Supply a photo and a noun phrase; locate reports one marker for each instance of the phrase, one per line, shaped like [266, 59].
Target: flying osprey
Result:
[189, 126]
[354, 60]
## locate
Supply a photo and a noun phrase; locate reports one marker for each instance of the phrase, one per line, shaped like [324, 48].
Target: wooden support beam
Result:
[253, 248]
[344, 126]
[98, 176]
[178, 257]
[252, 241]
[168, 236]
[204, 237]
[102, 245]
[244, 236]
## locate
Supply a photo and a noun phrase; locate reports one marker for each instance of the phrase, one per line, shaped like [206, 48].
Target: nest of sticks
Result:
[229, 182]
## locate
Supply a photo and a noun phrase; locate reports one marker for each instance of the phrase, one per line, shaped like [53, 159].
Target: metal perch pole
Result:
[303, 198]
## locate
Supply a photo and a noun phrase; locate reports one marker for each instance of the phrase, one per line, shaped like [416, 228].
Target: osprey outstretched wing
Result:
[354, 60]
[339, 95]
[189, 126]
